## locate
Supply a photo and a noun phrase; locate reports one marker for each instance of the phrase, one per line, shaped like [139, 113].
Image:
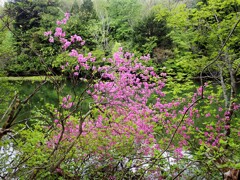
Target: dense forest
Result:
[120, 89]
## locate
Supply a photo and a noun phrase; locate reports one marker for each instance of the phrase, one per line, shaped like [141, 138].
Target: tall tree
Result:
[75, 7]
[30, 17]
[83, 20]
[123, 14]
[150, 34]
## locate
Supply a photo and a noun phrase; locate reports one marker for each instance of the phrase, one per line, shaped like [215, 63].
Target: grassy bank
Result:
[31, 78]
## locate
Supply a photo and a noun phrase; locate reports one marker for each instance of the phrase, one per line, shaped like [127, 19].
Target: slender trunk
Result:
[224, 89]
[232, 95]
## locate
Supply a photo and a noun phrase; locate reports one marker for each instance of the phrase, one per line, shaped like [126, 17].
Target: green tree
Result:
[7, 50]
[150, 34]
[30, 18]
[206, 44]
[82, 20]
[75, 7]
[199, 34]
[123, 15]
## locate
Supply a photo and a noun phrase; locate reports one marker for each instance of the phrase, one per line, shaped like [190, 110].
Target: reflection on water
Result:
[49, 95]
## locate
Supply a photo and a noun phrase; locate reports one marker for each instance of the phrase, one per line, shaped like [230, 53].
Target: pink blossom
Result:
[82, 43]
[227, 127]
[163, 74]
[58, 32]
[64, 99]
[78, 38]
[200, 90]
[184, 128]
[67, 15]
[47, 33]
[206, 134]
[58, 22]
[73, 53]
[51, 39]
[76, 73]
[178, 152]
[77, 67]
[235, 106]
[208, 115]
[66, 45]
[210, 97]
[64, 21]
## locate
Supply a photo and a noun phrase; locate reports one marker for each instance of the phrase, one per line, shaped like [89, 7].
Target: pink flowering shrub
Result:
[131, 122]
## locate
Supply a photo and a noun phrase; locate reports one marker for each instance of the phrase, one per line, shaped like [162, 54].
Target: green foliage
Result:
[199, 33]
[123, 14]
[150, 33]
[62, 59]
[7, 50]
[83, 22]
[30, 19]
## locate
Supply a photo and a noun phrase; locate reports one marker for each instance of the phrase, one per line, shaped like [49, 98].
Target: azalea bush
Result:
[131, 130]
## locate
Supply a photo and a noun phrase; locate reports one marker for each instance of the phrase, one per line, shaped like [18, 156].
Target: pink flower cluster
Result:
[60, 34]
[82, 61]
[124, 93]
[66, 102]
[64, 20]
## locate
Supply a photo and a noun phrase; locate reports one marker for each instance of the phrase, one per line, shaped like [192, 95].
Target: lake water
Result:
[48, 95]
